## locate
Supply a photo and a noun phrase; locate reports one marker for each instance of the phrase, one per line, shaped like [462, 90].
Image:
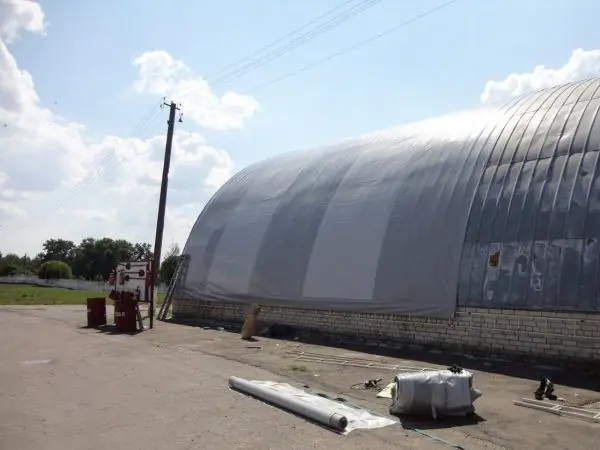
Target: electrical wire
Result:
[330, 23]
[104, 166]
[281, 39]
[265, 59]
[289, 46]
[91, 178]
[334, 55]
[352, 47]
[273, 43]
[111, 159]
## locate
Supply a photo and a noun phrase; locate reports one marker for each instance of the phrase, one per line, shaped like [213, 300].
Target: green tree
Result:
[92, 259]
[37, 262]
[29, 265]
[9, 269]
[58, 250]
[95, 258]
[142, 251]
[54, 270]
[169, 264]
[11, 258]
[11, 264]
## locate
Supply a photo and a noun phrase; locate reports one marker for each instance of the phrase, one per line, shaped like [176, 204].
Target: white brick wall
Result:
[566, 336]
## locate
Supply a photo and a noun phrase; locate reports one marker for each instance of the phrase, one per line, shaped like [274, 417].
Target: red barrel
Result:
[125, 316]
[96, 312]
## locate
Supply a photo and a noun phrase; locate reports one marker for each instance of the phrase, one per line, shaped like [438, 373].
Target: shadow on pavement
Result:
[583, 378]
[110, 330]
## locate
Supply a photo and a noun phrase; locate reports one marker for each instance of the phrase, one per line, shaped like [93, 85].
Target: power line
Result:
[281, 39]
[327, 26]
[291, 45]
[331, 23]
[311, 34]
[106, 164]
[352, 47]
[90, 179]
[334, 21]
[109, 161]
[361, 4]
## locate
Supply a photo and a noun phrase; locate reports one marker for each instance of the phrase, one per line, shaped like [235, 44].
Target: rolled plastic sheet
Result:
[323, 416]
[435, 393]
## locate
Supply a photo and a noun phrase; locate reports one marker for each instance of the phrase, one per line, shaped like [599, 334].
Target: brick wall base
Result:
[539, 334]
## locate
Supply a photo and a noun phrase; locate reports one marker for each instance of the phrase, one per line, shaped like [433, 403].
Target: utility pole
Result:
[162, 204]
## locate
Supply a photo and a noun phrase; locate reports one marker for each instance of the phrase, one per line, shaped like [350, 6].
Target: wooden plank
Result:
[560, 410]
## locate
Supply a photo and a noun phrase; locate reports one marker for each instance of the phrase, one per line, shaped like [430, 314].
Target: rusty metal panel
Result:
[553, 256]
[570, 269]
[519, 277]
[538, 207]
[537, 272]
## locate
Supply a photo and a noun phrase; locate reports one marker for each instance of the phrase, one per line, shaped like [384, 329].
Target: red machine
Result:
[131, 284]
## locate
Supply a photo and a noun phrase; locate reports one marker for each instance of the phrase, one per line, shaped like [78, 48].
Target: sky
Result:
[82, 134]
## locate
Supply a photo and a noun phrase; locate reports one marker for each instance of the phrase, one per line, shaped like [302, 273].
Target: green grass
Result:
[26, 294]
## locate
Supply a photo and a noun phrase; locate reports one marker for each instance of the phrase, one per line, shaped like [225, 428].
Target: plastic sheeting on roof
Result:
[403, 220]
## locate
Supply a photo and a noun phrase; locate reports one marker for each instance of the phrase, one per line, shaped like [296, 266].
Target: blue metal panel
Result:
[537, 208]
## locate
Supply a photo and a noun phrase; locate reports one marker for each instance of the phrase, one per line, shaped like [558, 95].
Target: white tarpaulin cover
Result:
[358, 419]
[434, 392]
[498, 207]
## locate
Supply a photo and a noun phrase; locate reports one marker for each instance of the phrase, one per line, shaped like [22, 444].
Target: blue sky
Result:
[83, 72]
[435, 65]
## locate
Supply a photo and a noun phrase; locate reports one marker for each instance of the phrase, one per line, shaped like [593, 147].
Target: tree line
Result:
[91, 259]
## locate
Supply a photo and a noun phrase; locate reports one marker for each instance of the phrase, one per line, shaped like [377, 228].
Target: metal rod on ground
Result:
[162, 204]
[328, 418]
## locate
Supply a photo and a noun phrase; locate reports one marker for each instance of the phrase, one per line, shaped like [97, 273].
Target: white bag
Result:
[434, 392]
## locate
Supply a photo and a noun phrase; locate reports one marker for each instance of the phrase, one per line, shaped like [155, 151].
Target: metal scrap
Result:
[352, 362]
[589, 415]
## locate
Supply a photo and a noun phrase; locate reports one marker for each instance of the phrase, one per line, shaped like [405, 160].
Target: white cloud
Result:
[55, 181]
[17, 15]
[162, 75]
[582, 64]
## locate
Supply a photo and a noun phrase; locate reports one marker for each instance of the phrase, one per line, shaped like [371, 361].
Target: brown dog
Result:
[251, 325]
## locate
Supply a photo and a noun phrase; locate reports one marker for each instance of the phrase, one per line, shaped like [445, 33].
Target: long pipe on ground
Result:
[325, 417]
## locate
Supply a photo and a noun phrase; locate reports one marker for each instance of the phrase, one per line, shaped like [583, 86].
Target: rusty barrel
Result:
[125, 316]
[96, 312]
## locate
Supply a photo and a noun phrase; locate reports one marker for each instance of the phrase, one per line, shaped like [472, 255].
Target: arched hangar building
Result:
[479, 228]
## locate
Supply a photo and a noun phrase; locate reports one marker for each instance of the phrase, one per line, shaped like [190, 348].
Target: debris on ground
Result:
[334, 415]
[373, 383]
[321, 358]
[545, 390]
[435, 393]
[387, 391]
[368, 384]
[589, 415]
[455, 368]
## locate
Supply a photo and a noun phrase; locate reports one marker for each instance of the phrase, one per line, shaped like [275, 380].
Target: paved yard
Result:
[102, 391]
[62, 386]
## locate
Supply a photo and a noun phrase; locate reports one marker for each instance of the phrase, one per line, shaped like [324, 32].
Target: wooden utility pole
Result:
[162, 204]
